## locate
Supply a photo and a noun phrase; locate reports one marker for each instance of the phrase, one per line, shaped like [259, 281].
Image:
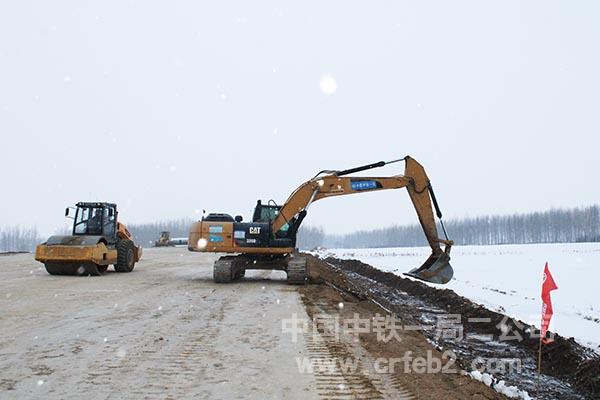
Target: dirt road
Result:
[167, 331]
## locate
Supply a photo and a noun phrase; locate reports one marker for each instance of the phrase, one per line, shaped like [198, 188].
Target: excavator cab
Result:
[268, 213]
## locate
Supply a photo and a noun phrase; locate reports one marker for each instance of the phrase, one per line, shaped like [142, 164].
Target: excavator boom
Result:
[437, 268]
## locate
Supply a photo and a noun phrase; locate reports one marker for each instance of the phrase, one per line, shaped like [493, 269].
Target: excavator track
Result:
[296, 271]
[228, 269]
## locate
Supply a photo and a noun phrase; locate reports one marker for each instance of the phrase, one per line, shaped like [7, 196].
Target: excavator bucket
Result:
[436, 269]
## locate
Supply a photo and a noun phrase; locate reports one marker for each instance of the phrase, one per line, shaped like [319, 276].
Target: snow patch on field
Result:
[507, 279]
[512, 392]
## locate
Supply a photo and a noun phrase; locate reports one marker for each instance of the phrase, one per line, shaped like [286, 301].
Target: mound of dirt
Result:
[563, 358]
[587, 377]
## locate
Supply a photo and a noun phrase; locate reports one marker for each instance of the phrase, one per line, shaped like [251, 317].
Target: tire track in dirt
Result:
[337, 381]
[170, 367]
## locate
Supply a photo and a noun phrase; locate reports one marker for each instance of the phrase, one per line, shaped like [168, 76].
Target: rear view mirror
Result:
[238, 218]
[68, 212]
[111, 212]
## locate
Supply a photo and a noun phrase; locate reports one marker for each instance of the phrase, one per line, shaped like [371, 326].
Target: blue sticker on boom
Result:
[215, 238]
[364, 185]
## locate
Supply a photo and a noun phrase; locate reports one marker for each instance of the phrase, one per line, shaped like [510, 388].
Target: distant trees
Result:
[15, 238]
[310, 237]
[147, 234]
[553, 226]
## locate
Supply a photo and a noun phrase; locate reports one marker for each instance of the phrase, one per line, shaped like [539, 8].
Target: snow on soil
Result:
[512, 392]
[507, 278]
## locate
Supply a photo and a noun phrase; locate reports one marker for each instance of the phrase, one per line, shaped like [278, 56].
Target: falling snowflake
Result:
[328, 84]
[340, 305]
[40, 382]
[105, 339]
[278, 301]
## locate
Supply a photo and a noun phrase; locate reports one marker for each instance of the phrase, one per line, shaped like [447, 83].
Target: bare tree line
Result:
[310, 237]
[15, 238]
[553, 226]
[147, 234]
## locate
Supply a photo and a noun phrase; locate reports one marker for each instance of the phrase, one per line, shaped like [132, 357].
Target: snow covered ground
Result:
[508, 278]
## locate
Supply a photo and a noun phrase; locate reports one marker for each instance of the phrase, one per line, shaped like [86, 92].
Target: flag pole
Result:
[539, 372]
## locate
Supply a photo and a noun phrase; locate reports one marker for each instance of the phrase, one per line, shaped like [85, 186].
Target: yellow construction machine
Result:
[269, 241]
[164, 240]
[97, 241]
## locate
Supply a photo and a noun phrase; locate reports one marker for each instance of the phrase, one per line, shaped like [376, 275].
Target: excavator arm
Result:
[437, 268]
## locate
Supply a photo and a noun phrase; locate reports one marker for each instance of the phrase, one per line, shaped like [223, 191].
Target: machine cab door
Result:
[109, 219]
[86, 221]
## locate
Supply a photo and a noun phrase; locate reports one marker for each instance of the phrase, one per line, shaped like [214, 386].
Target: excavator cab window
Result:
[267, 213]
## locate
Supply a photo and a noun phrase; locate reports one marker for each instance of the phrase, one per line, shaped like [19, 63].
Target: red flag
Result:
[547, 286]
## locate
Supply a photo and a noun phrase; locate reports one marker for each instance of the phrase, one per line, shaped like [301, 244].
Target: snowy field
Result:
[508, 279]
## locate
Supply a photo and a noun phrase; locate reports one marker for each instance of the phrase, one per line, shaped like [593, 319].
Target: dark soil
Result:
[562, 359]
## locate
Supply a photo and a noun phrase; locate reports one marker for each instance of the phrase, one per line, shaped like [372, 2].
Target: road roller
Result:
[98, 240]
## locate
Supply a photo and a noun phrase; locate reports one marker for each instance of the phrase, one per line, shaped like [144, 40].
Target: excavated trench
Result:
[489, 341]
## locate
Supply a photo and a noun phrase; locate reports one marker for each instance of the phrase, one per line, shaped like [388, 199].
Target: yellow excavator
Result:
[97, 241]
[269, 241]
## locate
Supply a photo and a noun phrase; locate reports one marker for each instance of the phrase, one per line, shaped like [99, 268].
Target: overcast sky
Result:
[172, 107]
